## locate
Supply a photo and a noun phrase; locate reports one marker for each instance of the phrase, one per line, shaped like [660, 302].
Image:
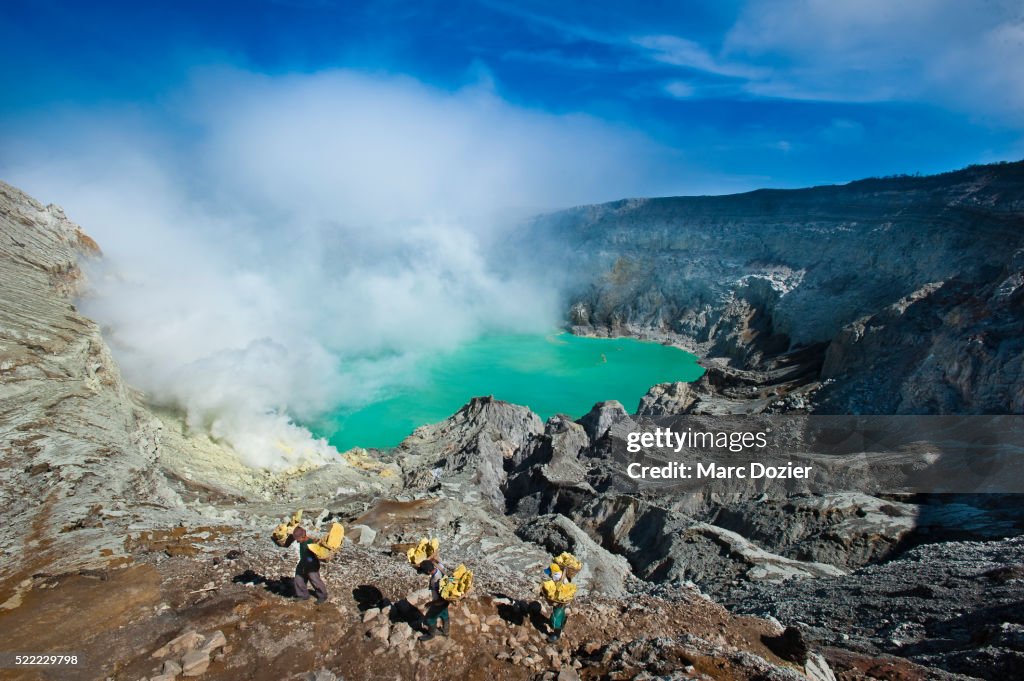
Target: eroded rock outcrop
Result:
[948, 347]
[915, 281]
[601, 417]
[476, 443]
[846, 529]
[77, 448]
[603, 572]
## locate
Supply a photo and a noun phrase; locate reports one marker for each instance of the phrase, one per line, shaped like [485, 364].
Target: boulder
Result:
[400, 633]
[184, 643]
[667, 398]
[600, 418]
[817, 668]
[195, 663]
[213, 642]
[320, 675]
[171, 667]
[418, 597]
[472, 447]
[362, 535]
[603, 572]
[789, 645]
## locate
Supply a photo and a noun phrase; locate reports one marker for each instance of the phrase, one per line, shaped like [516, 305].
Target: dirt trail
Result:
[118, 618]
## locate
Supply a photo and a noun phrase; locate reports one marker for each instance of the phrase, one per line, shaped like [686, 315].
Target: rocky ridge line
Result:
[910, 289]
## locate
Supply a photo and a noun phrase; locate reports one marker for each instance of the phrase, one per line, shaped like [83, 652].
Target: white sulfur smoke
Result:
[277, 247]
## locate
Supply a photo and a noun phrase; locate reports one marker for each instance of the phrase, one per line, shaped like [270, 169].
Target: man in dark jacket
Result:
[308, 569]
[437, 609]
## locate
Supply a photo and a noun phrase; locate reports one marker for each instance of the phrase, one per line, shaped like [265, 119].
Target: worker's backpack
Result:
[327, 547]
[427, 548]
[283, 532]
[569, 563]
[453, 588]
[558, 592]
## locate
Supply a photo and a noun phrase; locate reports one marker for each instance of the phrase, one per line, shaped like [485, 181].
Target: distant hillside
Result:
[912, 283]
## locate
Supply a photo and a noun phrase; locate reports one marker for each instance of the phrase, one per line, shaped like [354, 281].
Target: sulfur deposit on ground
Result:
[145, 549]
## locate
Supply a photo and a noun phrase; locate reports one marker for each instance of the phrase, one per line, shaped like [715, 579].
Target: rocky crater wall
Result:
[930, 267]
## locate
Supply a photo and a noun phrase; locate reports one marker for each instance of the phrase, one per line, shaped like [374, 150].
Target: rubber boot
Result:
[555, 635]
[429, 633]
[444, 627]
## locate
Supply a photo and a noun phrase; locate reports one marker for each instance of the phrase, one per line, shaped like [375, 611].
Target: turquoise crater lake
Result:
[555, 373]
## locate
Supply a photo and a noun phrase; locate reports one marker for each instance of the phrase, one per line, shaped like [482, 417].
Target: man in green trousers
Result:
[437, 609]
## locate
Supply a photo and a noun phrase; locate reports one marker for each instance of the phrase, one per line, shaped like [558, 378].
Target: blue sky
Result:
[734, 94]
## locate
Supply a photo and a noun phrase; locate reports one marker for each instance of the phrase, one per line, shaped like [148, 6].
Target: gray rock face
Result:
[950, 347]
[759, 565]
[56, 371]
[560, 447]
[667, 398]
[551, 468]
[601, 417]
[603, 572]
[715, 539]
[847, 529]
[916, 281]
[784, 383]
[663, 545]
[952, 605]
[476, 443]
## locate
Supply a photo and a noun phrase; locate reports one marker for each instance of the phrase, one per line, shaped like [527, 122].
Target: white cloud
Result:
[962, 55]
[678, 51]
[680, 89]
[309, 239]
[956, 54]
